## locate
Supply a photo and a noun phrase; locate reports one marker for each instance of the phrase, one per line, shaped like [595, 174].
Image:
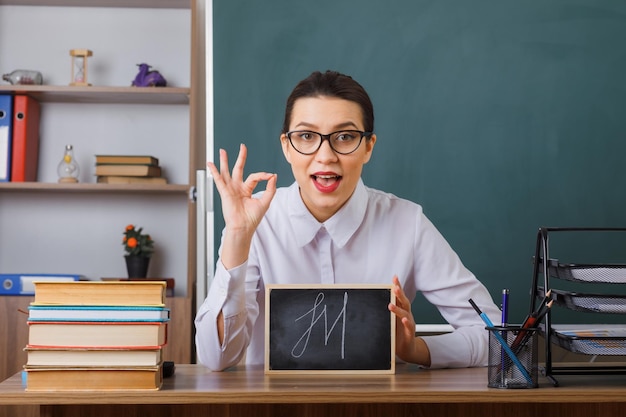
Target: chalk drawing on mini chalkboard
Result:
[329, 328]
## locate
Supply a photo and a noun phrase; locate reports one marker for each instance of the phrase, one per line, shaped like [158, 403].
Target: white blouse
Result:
[373, 237]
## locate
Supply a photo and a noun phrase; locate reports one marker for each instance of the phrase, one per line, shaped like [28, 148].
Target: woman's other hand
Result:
[409, 348]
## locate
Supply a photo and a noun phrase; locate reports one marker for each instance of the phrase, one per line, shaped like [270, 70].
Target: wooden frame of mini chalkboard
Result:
[329, 329]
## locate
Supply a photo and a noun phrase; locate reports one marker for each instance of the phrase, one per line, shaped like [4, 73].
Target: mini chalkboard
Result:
[329, 329]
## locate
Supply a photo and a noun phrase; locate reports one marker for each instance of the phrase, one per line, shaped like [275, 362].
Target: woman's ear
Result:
[369, 147]
[284, 143]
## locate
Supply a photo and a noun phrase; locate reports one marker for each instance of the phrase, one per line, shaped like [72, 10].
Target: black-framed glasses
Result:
[343, 142]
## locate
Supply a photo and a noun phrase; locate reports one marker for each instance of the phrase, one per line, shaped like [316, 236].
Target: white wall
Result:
[81, 233]
[41, 37]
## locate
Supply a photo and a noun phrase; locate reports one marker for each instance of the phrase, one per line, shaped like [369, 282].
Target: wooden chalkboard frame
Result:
[379, 363]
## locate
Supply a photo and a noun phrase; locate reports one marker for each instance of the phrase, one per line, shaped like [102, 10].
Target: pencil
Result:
[541, 314]
[544, 301]
[531, 321]
[538, 319]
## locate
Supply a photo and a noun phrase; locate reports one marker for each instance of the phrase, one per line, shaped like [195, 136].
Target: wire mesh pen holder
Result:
[512, 357]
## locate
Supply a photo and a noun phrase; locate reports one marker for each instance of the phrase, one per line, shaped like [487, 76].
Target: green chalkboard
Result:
[497, 116]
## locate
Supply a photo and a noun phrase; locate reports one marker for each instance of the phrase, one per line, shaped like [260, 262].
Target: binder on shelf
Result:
[23, 284]
[6, 136]
[25, 158]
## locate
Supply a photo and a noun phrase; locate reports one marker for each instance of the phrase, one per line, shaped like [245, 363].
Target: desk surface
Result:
[194, 384]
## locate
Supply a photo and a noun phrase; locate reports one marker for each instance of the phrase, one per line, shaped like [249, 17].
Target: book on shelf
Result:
[82, 357]
[144, 334]
[120, 179]
[127, 159]
[97, 313]
[107, 293]
[129, 170]
[93, 378]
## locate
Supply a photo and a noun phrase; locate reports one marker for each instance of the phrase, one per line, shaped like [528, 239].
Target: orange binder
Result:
[25, 139]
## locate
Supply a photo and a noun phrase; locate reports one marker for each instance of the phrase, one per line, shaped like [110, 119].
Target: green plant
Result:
[136, 243]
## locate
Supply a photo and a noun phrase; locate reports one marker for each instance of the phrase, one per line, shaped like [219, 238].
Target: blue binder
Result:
[6, 136]
[23, 284]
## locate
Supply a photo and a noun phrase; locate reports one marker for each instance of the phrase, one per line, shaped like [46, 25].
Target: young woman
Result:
[328, 227]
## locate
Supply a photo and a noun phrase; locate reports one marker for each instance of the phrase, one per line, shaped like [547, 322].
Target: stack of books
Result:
[95, 335]
[128, 169]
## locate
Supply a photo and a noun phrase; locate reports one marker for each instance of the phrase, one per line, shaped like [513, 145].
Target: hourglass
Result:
[79, 66]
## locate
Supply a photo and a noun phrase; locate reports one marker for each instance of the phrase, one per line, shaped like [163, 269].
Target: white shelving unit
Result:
[47, 227]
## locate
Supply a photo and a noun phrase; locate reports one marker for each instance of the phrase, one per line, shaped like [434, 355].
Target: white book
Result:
[92, 357]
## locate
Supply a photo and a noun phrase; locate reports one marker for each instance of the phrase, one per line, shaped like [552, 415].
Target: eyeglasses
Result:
[343, 142]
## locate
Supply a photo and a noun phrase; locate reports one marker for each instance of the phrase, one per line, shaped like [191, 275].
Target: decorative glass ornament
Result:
[68, 167]
[23, 77]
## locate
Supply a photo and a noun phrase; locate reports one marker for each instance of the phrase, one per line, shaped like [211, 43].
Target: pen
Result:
[505, 319]
[502, 342]
[505, 307]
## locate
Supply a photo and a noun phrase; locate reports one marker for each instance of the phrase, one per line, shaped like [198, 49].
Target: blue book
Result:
[97, 313]
[6, 136]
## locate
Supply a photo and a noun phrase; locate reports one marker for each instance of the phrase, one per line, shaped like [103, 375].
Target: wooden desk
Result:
[194, 390]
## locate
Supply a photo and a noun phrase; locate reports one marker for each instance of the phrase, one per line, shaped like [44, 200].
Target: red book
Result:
[25, 139]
